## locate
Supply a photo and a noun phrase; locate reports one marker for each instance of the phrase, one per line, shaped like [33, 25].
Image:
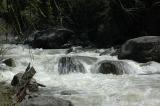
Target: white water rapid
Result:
[140, 87]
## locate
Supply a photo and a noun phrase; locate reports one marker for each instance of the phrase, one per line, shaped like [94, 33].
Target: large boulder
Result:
[142, 49]
[45, 101]
[52, 38]
[114, 67]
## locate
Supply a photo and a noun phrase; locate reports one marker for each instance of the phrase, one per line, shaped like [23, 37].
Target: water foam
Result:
[138, 88]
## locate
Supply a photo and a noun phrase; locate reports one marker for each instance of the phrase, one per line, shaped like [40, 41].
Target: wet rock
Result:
[17, 82]
[115, 53]
[33, 86]
[70, 64]
[86, 59]
[108, 51]
[146, 64]
[76, 49]
[3, 66]
[114, 67]
[9, 62]
[68, 92]
[46, 101]
[16, 79]
[52, 38]
[24, 84]
[142, 49]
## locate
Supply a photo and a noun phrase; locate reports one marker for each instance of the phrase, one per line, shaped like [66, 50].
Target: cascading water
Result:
[138, 87]
[70, 64]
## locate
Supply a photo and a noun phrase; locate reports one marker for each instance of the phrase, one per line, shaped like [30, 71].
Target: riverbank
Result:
[6, 94]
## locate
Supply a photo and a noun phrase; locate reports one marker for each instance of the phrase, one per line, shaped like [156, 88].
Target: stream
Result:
[140, 87]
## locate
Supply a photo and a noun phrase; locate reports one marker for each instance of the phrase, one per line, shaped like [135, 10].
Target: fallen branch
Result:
[27, 76]
[22, 93]
[41, 85]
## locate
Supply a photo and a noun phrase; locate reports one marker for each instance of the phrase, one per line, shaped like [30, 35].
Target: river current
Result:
[140, 87]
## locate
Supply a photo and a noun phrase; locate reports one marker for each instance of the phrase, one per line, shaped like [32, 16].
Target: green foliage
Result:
[30, 15]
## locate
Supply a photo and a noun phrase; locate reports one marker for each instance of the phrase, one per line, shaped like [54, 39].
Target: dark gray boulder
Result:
[45, 101]
[142, 49]
[70, 64]
[52, 38]
[16, 79]
[9, 62]
[114, 67]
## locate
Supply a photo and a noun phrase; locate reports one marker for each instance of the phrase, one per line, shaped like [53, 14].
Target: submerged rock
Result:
[142, 49]
[114, 67]
[68, 92]
[9, 62]
[86, 59]
[3, 66]
[70, 64]
[52, 38]
[76, 49]
[108, 51]
[116, 53]
[46, 101]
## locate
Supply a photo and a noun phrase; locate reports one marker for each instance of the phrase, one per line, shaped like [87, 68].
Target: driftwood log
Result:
[23, 82]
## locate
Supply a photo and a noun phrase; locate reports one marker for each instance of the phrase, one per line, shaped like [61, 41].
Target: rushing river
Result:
[141, 87]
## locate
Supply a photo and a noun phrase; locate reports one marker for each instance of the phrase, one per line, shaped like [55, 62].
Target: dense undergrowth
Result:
[103, 22]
